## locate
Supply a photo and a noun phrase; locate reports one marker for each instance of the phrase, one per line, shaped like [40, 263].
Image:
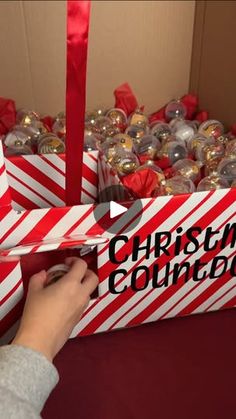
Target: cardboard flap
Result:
[79, 240]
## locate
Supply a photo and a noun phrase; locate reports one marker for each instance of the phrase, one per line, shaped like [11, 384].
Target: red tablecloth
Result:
[173, 369]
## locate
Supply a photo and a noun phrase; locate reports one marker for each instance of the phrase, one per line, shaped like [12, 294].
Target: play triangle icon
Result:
[116, 209]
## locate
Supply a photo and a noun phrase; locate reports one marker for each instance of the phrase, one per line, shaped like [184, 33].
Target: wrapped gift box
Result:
[179, 259]
[38, 181]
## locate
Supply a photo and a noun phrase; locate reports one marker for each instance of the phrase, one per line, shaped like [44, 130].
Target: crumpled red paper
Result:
[7, 115]
[125, 99]
[141, 183]
[233, 129]
[48, 122]
[202, 116]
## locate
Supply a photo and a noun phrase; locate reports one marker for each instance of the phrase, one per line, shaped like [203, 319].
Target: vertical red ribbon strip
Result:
[77, 42]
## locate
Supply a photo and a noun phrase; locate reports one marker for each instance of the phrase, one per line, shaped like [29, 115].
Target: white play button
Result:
[116, 209]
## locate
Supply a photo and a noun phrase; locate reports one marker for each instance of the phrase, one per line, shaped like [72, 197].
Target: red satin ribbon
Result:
[77, 42]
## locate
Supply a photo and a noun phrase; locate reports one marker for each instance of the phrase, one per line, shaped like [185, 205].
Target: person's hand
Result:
[51, 312]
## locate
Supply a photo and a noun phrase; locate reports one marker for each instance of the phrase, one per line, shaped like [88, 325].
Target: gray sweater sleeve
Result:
[26, 380]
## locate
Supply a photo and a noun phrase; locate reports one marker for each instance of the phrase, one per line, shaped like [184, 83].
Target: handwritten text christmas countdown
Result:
[187, 243]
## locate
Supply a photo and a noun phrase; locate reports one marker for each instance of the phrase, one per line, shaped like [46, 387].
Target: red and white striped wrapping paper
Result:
[142, 302]
[38, 181]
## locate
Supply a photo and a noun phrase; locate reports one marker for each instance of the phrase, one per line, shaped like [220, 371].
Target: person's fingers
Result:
[78, 268]
[9, 258]
[38, 281]
[70, 260]
[90, 281]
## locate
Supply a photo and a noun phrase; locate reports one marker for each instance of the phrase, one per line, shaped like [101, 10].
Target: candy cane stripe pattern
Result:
[179, 260]
[38, 181]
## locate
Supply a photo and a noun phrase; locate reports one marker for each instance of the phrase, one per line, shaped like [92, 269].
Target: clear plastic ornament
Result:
[148, 146]
[91, 117]
[153, 123]
[211, 154]
[112, 131]
[173, 150]
[187, 168]
[196, 143]
[18, 149]
[101, 125]
[185, 131]
[231, 148]
[136, 132]
[90, 143]
[88, 128]
[118, 117]
[227, 169]
[149, 164]
[212, 182]
[59, 126]
[211, 128]
[56, 272]
[109, 147]
[19, 134]
[175, 109]
[176, 123]
[26, 117]
[161, 131]
[224, 139]
[125, 141]
[37, 128]
[124, 161]
[50, 144]
[138, 118]
[176, 185]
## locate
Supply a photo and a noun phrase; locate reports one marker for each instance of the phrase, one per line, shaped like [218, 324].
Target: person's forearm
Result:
[26, 380]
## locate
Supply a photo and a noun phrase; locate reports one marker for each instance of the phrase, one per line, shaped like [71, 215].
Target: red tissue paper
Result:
[141, 183]
[7, 115]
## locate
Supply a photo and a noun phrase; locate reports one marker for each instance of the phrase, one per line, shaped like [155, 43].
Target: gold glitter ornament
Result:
[138, 118]
[117, 117]
[50, 143]
[26, 117]
[125, 162]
